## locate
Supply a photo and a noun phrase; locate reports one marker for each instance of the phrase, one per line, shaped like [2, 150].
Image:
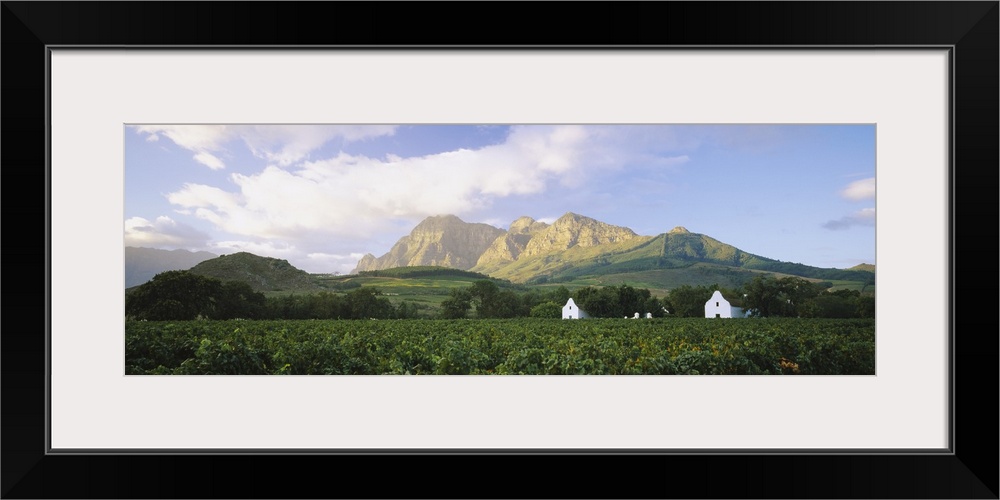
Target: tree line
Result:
[767, 296]
[181, 295]
[484, 299]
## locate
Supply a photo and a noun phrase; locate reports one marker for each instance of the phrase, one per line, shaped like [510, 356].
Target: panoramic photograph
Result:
[499, 249]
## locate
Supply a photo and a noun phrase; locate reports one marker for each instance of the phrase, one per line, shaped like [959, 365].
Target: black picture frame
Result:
[969, 28]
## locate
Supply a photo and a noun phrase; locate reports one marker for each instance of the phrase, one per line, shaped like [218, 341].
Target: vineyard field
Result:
[673, 346]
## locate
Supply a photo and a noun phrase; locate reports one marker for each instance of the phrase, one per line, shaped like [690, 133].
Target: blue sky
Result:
[321, 196]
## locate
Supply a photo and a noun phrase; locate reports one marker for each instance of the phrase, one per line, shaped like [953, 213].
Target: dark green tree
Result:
[654, 306]
[290, 307]
[367, 302]
[689, 301]
[174, 295]
[457, 305]
[484, 296]
[547, 310]
[632, 300]
[788, 296]
[866, 306]
[326, 305]
[559, 295]
[617, 301]
[506, 304]
[237, 299]
[599, 302]
[531, 298]
[796, 291]
[763, 297]
[828, 305]
[406, 310]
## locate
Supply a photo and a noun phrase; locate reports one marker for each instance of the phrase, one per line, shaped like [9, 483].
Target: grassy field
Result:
[852, 285]
[429, 292]
[660, 281]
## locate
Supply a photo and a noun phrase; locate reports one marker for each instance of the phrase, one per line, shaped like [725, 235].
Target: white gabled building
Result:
[572, 311]
[719, 307]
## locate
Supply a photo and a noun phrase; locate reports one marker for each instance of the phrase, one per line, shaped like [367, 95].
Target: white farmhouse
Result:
[719, 307]
[572, 311]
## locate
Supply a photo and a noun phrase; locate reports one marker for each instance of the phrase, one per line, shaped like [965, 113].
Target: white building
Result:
[572, 311]
[719, 307]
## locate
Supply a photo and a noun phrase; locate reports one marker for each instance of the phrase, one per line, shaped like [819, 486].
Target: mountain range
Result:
[574, 246]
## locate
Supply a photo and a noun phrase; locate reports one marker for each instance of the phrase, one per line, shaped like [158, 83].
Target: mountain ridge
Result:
[263, 274]
[572, 230]
[439, 240]
[575, 245]
[509, 246]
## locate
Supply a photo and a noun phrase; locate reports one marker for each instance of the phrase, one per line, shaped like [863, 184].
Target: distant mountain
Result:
[141, 263]
[443, 240]
[509, 246]
[576, 231]
[675, 249]
[528, 239]
[575, 246]
[263, 274]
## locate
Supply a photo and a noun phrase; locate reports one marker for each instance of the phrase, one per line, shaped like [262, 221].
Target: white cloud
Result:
[863, 217]
[358, 196]
[345, 192]
[288, 144]
[281, 144]
[202, 139]
[274, 249]
[863, 189]
[859, 190]
[331, 263]
[192, 137]
[210, 160]
[210, 203]
[163, 232]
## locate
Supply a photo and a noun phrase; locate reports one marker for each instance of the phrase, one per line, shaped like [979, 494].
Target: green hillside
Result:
[424, 272]
[661, 280]
[575, 261]
[263, 274]
[668, 251]
[425, 286]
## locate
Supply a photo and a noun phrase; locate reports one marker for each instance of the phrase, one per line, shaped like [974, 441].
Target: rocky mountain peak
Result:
[570, 217]
[436, 223]
[508, 247]
[524, 225]
[572, 230]
[366, 262]
[440, 240]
